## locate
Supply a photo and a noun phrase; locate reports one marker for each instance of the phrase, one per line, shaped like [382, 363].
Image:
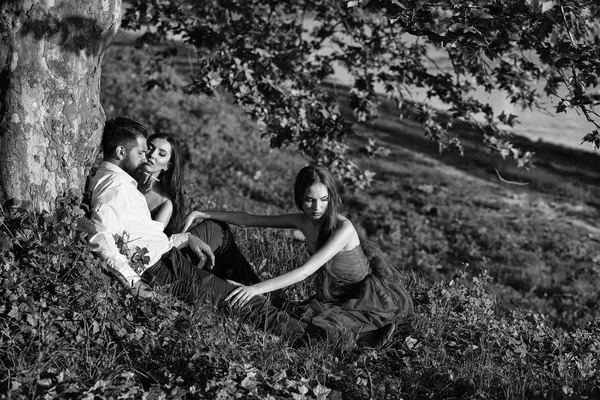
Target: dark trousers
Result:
[180, 273]
[230, 263]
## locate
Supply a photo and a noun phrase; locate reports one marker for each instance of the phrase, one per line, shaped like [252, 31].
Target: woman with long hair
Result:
[162, 180]
[357, 290]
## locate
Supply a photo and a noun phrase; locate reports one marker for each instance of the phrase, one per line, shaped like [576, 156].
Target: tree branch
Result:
[509, 182]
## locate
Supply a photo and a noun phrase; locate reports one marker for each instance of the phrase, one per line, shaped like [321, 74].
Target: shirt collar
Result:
[110, 167]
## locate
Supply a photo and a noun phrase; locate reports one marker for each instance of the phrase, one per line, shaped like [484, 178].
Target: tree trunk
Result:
[51, 119]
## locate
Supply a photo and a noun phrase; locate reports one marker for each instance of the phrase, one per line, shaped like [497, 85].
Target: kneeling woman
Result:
[356, 289]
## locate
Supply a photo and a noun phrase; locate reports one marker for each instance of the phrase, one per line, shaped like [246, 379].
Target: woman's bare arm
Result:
[165, 213]
[244, 219]
[344, 235]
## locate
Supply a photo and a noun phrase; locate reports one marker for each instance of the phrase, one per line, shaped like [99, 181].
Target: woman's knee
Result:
[214, 233]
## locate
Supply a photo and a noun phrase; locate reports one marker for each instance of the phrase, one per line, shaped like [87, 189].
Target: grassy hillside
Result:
[539, 240]
[482, 260]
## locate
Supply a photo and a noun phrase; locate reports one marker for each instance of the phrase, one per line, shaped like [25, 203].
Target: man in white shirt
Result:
[176, 262]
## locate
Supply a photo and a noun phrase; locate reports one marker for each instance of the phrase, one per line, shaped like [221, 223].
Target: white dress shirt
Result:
[118, 207]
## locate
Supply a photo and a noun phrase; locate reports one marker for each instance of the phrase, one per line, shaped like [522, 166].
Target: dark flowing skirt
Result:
[377, 300]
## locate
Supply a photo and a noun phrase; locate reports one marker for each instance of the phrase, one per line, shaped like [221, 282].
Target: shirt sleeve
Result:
[107, 223]
[179, 240]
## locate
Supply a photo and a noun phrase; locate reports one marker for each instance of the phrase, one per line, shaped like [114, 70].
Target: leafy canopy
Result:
[275, 59]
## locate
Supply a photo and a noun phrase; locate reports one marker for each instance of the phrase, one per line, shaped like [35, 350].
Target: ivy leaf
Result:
[6, 243]
[14, 313]
[250, 382]
[321, 392]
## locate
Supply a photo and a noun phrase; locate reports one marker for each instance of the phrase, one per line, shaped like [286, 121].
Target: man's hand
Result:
[192, 217]
[140, 289]
[202, 250]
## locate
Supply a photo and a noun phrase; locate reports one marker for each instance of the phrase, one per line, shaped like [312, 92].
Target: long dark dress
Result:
[359, 291]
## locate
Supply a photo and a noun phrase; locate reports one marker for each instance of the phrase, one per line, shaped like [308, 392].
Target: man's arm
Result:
[107, 224]
[103, 243]
[198, 246]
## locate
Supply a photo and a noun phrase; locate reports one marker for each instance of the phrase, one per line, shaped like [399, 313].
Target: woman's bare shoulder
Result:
[343, 221]
[345, 225]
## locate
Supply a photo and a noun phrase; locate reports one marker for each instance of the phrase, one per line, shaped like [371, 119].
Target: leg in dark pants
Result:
[230, 263]
[179, 275]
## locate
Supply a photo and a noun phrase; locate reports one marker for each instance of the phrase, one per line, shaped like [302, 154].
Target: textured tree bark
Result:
[51, 118]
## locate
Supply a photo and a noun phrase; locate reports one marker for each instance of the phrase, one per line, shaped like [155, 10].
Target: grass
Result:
[504, 277]
[70, 331]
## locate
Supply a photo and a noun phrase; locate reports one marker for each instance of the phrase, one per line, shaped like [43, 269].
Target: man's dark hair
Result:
[121, 131]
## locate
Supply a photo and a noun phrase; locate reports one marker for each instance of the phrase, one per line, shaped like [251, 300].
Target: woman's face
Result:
[316, 200]
[159, 155]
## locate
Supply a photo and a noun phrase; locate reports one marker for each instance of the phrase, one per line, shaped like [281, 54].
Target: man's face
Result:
[135, 157]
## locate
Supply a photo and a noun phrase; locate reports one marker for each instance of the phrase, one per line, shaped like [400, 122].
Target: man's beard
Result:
[136, 171]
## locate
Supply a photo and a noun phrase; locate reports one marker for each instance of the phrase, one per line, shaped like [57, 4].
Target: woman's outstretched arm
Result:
[244, 219]
[344, 235]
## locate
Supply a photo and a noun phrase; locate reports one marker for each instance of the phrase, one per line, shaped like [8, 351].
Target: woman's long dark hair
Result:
[312, 175]
[307, 177]
[172, 181]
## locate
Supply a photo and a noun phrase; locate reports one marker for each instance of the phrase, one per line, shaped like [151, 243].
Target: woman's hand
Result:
[241, 295]
[191, 217]
[201, 248]
[145, 182]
